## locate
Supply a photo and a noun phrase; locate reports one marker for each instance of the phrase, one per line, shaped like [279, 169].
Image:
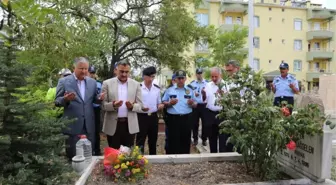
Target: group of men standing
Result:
[131, 108]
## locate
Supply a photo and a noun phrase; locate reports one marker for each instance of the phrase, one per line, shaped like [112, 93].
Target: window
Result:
[274, 1]
[297, 24]
[256, 64]
[256, 21]
[270, 19]
[316, 66]
[283, 10]
[262, 1]
[317, 46]
[317, 26]
[256, 42]
[239, 20]
[201, 45]
[283, 20]
[270, 9]
[297, 65]
[297, 45]
[202, 19]
[270, 40]
[228, 20]
[283, 41]
[269, 61]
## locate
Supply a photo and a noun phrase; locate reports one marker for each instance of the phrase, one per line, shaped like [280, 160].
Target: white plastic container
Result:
[83, 148]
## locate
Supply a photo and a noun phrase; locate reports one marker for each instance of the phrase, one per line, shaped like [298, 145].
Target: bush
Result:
[257, 128]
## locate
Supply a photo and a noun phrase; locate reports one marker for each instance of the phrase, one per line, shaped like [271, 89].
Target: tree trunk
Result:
[114, 60]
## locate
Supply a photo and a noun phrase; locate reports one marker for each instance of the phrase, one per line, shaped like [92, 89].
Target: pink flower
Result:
[291, 145]
[127, 173]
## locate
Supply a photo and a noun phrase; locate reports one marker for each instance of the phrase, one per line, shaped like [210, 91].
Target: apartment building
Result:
[297, 32]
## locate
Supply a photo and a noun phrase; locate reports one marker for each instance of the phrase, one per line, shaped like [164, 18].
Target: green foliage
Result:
[30, 141]
[225, 46]
[259, 130]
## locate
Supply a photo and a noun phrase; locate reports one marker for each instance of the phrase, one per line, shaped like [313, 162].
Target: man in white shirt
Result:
[122, 102]
[148, 118]
[210, 95]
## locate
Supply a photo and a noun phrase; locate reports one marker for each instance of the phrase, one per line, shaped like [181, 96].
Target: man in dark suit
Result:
[76, 93]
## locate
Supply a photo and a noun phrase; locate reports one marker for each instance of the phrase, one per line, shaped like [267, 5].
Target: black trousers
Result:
[98, 129]
[289, 100]
[148, 125]
[216, 140]
[121, 135]
[179, 133]
[199, 112]
[71, 141]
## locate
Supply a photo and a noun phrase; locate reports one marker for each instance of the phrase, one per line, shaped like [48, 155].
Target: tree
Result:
[154, 32]
[30, 141]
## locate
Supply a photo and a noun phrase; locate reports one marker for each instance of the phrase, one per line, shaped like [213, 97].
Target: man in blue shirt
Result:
[199, 112]
[96, 108]
[285, 86]
[179, 100]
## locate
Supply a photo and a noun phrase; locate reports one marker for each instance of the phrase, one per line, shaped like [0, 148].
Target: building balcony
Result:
[239, 6]
[316, 73]
[319, 53]
[204, 5]
[319, 13]
[230, 27]
[322, 33]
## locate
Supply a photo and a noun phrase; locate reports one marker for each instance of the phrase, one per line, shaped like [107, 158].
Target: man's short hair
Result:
[80, 60]
[234, 63]
[124, 63]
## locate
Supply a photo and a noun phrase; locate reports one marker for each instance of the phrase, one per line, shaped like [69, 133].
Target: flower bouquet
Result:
[125, 164]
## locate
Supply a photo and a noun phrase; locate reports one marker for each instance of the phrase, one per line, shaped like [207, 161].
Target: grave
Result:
[312, 156]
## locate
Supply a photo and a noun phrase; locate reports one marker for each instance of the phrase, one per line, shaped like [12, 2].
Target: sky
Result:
[330, 4]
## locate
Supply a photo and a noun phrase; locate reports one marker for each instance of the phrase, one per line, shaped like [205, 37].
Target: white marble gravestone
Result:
[312, 157]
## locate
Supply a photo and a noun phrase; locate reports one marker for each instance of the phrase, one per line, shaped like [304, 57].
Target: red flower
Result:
[285, 111]
[291, 145]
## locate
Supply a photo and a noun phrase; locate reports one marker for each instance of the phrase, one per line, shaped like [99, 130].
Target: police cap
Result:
[92, 69]
[199, 71]
[284, 66]
[149, 71]
[180, 73]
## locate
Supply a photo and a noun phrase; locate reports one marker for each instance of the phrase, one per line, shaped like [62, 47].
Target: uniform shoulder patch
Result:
[141, 85]
[192, 81]
[157, 86]
[191, 87]
[292, 77]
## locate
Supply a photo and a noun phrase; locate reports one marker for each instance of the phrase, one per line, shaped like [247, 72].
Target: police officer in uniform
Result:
[284, 86]
[172, 83]
[199, 111]
[96, 108]
[148, 118]
[179, 100]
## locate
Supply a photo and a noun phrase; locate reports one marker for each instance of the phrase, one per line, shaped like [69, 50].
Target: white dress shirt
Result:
[211, 89]
[151, 98]
[122, 95]
[81, 86]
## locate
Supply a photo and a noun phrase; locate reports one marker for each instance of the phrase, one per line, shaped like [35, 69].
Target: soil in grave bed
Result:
[205, 173]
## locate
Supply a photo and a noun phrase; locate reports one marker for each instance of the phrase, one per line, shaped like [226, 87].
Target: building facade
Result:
[297, 32]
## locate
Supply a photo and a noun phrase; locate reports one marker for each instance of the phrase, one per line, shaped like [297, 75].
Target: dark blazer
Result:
[81, 110]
